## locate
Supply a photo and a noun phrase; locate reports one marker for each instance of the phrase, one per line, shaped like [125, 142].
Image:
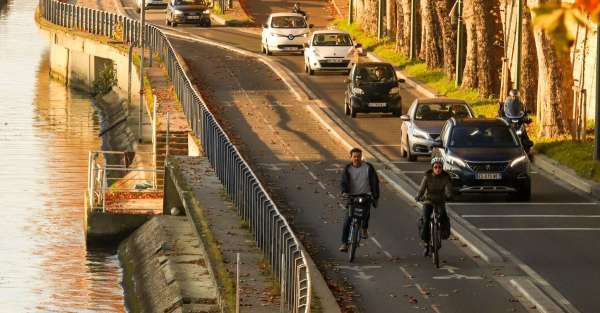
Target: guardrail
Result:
[271, 230]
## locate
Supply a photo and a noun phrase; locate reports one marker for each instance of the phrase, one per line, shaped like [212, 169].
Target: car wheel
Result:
[310, 71]
[173, 24]
[262, 49]
[267, 51]
[352, 112]
[409, 156]
[346, 109]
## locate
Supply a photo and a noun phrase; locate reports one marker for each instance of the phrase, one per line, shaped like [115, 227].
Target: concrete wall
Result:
[77, 61]
[583, 55]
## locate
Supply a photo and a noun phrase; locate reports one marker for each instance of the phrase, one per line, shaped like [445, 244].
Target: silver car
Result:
[423, 124]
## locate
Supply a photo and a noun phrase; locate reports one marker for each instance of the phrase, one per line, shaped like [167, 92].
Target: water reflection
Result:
[46, 131]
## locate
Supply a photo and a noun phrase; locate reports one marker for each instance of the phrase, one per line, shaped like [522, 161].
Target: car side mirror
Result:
[401, 80]
[311, 25]
[305, 45]
[265, 26]
[405, 118]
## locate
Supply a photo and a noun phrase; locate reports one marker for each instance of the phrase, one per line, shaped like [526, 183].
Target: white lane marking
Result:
[542, 229]
[435, 308]
[530, 215]
[387, 254]
[422, 291]
[360, 274]
[376, 242]
[523, 203]
[331, 195]
[406, 273]
[313, 175]
[322, 186]
[458, 277]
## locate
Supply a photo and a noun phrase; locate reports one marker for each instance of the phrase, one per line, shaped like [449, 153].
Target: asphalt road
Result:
[555, 234]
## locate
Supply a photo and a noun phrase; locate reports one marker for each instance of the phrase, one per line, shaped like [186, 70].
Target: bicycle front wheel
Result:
[353, 241]
[435, 243]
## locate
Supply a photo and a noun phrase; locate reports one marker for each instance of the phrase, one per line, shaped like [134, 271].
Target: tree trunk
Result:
[442, 8]
[391, 13]
[470, 70]
[489, 45]
[529, 64]
[400, 30]
[556, 80]
[433, 48]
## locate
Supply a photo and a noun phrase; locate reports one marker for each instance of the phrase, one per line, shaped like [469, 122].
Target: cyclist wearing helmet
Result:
[435, 189]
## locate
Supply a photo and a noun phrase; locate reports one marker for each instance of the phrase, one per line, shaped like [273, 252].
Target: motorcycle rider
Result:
[435, 189]
[358, 177]
[513, 108]
[297, 9]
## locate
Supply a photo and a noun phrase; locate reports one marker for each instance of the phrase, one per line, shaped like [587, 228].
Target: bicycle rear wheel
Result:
[353, 241]
[435, 243]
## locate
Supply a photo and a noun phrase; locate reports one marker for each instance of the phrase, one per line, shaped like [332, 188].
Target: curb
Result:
[532, 293]
[218, 20]
[567, 175]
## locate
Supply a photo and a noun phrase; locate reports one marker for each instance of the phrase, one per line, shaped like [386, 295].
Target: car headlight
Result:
[357, 91]
[417, 133]
[177, 12]
[305, 35]
[394, 91]
[518, 160]
[206, 12]
[456, 161]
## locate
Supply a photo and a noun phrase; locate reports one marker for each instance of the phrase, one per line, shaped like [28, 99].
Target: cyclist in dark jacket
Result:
[358, 177]
[435, 189]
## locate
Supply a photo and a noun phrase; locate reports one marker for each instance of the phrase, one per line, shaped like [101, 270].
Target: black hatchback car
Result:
[484, 156]
[373, 88]
[187, 12]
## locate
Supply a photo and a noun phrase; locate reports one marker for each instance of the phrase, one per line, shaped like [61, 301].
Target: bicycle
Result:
[358, 207]
[435, 238]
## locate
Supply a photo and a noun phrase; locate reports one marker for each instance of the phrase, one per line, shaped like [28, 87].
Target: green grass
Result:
[436, 79]
[575, 155]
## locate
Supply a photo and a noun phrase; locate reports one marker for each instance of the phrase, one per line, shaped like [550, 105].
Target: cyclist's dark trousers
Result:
[346, 229]
[427, 210]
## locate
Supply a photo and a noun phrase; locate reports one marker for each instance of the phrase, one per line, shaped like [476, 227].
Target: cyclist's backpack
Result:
[445, 226]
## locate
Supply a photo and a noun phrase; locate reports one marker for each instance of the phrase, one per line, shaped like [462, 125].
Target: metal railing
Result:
[110, 172]
[271, 230]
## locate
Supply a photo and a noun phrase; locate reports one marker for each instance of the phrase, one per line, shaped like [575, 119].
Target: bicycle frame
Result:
[435, 239]
[357, 212]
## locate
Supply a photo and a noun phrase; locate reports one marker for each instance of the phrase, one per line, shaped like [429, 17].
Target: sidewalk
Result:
[224, 235]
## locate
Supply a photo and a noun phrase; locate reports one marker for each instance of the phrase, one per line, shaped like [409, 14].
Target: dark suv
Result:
[187, 12]
[484, 156]
[373, 88]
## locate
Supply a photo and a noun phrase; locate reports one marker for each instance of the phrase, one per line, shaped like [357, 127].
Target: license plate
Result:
[193, 17]
[335, 60]
[290, 48]
[489, 176]
[377, 105]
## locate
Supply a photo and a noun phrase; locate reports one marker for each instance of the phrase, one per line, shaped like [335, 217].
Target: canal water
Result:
[46, 131]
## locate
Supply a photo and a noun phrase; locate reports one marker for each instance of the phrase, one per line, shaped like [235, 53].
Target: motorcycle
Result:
[518, 120]
[298, 10]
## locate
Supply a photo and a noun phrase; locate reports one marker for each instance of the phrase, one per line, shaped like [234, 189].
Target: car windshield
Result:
[189, 2]
[375, 74]
[483, 136]
[441, 111]
[288, 22]
[335, 39]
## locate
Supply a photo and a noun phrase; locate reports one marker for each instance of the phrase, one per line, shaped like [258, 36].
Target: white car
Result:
[329, 50]
[284, 32]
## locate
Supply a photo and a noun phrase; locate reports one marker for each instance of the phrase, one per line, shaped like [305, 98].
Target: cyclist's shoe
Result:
[343, 247]
[365, 233]
[426, 251]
